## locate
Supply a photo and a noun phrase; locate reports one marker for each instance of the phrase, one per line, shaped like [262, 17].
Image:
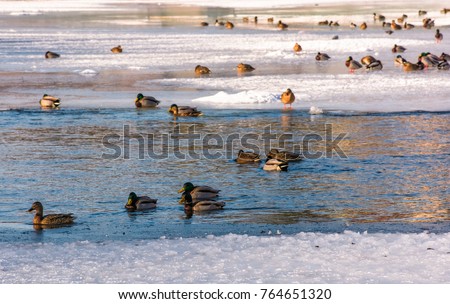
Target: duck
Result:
[323, 22]
[297, 48]
[378, 17]
[49, 219]
[204, 23]
[243, 67]
[363, 26]
[255, 19]
[386, 24]
[184, 111]
[374, 66]
[287, 98]
[389, 32]
[202, 205]
[445, 10]
[247, 157]
[51, 55]
[422, 13]
[408, 66]
[395, 26]
[428, 23]
[229, 25]
[198, 193]
[48, 101]
[322, 56]
[116, 49]
[281, 25]
[366, 60]
[202, 70]
[219, 23]
[402, 18]
[335, 23]
[443, 65]
[408, 26]
[245, 19]
[140, 202]
[273, 164]
[353, 26]
[428, 59]
[142, 101]
[270, 20]
[444, 56]
[398, 49]
[284, 155]
[438, 36]
[352, 64]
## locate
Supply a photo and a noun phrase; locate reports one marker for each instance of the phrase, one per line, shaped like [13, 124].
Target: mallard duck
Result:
[229, 25]
[378, 17]
[297, 48]
[386, 24]
[374, 66]
[198, 193]
[398, 49]
[366, 60]
[322, 56]
[444, 56]
[243, 67]
[247, 157]
[203, 23]
[409, 67]
[395, 26]
[353, 26]
[116, 49]
[428, 59]
[325, 22]
[201, 70]
[202, 205]
[352, 65]
[287, 98]
[445, 10]
[402, 18]
[422, 12]
[48, 101]
[428, 23]
[443, 65]
[142, 101]
[49, 219]
[140, 202]
[389, 32]
[184, 111]
[438, 36]
[334, 23]
[270, 20]
[255, 19]
[273, 164]
[245, 19]
[281, 25]
[408, 26]
[363, 26]
[283, 155]
[51, 55]
[219, 23]
[335, 37]
[399, 60]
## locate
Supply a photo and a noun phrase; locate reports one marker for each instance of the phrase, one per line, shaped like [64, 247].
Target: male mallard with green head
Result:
[287, 98]
[116, 49]
[198, 192]
[140, 202]
[51, 55]
[322, 56]
[247, 157]
[398, 49]
[142, 101]
[48, 101]
[201, 70]
[352, 64]
[49, 219]
[184, 111]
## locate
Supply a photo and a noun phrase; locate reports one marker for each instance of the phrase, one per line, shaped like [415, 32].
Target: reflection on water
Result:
[395, 170]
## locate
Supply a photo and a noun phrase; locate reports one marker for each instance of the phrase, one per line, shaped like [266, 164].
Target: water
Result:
[391, 176]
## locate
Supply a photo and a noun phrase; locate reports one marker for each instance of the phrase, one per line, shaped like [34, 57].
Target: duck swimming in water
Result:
[49, 219]
[51, 55]
[140, 202]
[198, 193]
[48, 101]
[116, 49]
[184, 111]
[202, 70]
[243, 67]
[247, 157]
[142, 101]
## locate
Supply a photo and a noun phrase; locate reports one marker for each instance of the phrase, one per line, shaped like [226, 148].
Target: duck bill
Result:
[181, 190]
[30, 210]
[129, 203]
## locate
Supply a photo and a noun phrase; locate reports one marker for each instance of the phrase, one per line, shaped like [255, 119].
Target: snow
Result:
[316, 258]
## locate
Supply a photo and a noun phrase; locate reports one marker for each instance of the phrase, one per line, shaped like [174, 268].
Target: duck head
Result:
[173, 109]
[37, 206]
[187, 187]
[132, 198]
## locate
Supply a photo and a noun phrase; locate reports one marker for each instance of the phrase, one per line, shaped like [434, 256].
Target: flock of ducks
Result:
[203, 198]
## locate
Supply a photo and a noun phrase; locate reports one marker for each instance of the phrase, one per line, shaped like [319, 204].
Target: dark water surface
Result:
[389, 173]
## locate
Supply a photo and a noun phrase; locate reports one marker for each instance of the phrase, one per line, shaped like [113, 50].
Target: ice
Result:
[348, 257]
